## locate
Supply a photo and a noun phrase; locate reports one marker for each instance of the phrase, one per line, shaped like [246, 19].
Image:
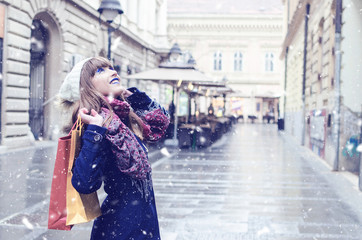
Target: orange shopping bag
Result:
[81, 208]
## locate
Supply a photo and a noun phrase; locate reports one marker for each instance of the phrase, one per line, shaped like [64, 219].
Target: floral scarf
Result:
[131, 158]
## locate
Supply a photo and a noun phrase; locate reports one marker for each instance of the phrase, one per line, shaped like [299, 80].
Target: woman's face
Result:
[107, 82]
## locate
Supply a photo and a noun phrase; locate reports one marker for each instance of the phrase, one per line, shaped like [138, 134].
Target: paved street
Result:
[254, 183]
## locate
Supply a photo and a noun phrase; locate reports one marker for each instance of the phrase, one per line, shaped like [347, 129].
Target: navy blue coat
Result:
[126, 213]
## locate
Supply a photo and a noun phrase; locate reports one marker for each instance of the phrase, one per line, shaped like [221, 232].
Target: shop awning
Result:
[174, 76]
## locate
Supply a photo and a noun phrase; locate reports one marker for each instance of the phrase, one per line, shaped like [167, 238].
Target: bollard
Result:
[360, 167]
[280, 124]
[359, 149]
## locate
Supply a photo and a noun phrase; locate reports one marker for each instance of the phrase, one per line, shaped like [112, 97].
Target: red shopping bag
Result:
[58, 205]
[68, 207]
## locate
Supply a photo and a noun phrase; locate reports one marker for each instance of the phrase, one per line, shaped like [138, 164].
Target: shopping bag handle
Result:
[77, 125]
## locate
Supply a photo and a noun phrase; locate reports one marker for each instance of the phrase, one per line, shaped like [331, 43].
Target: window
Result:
[218, 61]
[320, 55]
[238, 61]
[269, 62]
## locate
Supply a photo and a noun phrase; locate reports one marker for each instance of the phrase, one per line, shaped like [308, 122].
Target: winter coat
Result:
[127, 213]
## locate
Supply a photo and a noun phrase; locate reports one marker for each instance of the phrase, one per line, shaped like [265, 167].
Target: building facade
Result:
[323, 78]
[42, 40]
[235, 41]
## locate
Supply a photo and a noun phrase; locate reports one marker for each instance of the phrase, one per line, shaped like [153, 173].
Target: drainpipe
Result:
[1, 83]
[286, 71]
[285, 85]
[337, 85]
[305, 67]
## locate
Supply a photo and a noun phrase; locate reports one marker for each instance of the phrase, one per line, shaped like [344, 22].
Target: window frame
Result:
[217, 60]
[269, 62]
[238, 61]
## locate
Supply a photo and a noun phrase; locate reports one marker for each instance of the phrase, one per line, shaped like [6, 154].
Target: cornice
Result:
[254, 82]
[225, 45]
[225, 27]
[225, 22]
[295, 24]
[245, 17]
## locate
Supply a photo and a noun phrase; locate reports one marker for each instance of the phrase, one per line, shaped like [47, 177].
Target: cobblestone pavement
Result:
[254, 183]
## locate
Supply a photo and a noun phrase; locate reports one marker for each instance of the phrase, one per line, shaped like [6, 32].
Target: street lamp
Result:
[110, 9]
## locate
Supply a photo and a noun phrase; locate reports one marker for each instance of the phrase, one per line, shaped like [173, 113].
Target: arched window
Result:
[238, 61]
[217, 61]
[269, 62]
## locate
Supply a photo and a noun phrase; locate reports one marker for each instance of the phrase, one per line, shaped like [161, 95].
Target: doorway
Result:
[39, 38]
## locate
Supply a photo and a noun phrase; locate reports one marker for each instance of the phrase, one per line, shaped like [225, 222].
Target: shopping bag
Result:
[81, 208]
[57, 204]
[80, 204]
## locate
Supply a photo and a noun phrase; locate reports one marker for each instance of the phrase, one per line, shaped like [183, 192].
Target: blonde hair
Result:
[90, 98]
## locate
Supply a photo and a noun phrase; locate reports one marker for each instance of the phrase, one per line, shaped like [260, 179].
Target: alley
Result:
[254, 183]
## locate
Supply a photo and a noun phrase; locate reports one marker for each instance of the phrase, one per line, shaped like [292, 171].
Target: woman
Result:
[117, 122]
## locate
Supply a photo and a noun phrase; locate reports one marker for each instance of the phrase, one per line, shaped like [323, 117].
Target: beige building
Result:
[312, 57]
[41, 42]
[238, 41]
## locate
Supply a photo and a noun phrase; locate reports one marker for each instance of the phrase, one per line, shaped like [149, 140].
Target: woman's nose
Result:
[113, 71]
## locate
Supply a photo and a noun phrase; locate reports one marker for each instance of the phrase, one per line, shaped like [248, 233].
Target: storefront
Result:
[43, 40]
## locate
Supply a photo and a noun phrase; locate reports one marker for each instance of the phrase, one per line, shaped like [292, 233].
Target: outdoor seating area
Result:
[203, 132]
[197, 127]
[269, 118]
[252, 118]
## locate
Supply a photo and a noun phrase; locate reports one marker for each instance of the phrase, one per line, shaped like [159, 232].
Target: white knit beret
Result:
[70, 88]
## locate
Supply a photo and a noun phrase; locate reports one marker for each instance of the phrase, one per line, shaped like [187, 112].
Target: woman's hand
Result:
[127, 93]
[123, 93]
[93, 118]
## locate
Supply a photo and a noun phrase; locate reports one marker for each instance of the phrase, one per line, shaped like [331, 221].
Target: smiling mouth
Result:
[114, 81]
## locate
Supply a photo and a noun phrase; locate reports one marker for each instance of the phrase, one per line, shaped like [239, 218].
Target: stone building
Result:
[315, 77]
[42, 40]
[236, 41]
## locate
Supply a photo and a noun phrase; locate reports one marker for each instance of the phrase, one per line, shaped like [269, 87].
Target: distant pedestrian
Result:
[118, 121]
[171, 111]
[210, 110]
